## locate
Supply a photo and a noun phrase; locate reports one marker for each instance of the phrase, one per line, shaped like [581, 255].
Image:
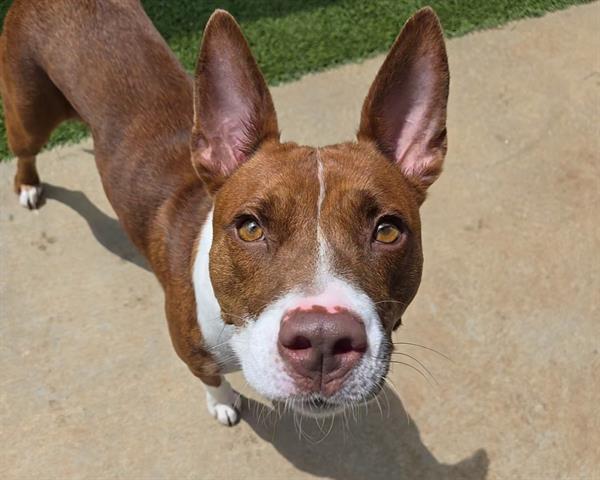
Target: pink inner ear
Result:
[404, 113]
[225, 150]
[233, 110]
[411, 146]
[421, 123]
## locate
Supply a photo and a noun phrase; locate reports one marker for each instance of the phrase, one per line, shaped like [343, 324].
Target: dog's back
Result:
[104, 63]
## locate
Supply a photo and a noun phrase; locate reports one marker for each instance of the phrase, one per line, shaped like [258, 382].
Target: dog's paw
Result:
[30, 195]
[224, 403]
[226, 414]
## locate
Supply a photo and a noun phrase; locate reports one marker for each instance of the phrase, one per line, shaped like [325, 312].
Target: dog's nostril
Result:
[299, 343]
[343, 345]
[346, 345]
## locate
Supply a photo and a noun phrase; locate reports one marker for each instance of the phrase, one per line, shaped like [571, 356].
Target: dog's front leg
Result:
[223, 402]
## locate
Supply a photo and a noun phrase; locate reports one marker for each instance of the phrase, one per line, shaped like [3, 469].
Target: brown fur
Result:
[104, 63]
[360, 179]
[276, 192]
[109, 64]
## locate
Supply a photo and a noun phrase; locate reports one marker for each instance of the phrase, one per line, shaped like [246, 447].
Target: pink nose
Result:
[321, 347]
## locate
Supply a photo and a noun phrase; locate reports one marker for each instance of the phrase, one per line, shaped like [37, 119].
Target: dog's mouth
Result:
[318, 406]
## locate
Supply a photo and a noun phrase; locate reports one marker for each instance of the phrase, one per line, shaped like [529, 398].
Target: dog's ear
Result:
[404, 113]
[233, 109]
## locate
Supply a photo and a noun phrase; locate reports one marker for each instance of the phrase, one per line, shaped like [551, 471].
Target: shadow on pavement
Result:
[106, 230]
[380, 444]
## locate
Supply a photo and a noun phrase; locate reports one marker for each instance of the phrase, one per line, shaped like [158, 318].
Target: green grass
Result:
[293, 37]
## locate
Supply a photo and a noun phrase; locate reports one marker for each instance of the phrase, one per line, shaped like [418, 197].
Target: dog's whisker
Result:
[221, 333]
[331, 426]
[354, 409]
[398, 362]
[261, 416]
[387, 400]
[395, 389]
[379, 405]
[212, 348]
[421, 364]
[426, 348]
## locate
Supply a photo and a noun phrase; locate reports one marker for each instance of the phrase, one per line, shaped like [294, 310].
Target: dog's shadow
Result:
[379, 444]
[105, 229]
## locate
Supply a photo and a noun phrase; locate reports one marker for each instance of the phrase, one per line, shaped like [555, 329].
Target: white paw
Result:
[29, 195]
[226, 414]
[224, 403]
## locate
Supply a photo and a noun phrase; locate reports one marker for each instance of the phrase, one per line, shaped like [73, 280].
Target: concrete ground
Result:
[91, 387]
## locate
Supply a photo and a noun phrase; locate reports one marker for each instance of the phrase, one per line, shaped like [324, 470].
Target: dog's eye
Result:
[250, 231]
[386, 232]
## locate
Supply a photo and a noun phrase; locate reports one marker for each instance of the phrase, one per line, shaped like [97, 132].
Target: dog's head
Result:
[317, 251]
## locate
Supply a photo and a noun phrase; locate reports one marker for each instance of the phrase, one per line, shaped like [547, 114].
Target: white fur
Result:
[30, 195]
[215, 333]
[322, 185]
[256, 344]
[223, 403]
[323, 260]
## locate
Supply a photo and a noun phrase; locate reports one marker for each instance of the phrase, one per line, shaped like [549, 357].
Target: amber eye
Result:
[387, 232]
[250, 230]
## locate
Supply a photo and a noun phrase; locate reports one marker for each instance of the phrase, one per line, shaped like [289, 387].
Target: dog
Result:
[289, 262]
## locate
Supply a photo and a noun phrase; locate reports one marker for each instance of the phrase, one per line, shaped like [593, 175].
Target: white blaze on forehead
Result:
[323, 247]
[322, 186]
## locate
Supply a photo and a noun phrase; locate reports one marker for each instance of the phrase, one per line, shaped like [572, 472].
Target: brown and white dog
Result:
[290, 262]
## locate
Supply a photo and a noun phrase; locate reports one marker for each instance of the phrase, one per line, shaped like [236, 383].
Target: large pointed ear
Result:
[404, 113]
[233, 109]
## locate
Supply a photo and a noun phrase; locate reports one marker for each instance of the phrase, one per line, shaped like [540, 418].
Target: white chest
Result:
[215, 332]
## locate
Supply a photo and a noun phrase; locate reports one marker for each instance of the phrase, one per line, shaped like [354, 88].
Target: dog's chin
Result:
[317, 407]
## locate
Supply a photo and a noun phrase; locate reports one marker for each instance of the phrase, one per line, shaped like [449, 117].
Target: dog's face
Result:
[317, 251]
